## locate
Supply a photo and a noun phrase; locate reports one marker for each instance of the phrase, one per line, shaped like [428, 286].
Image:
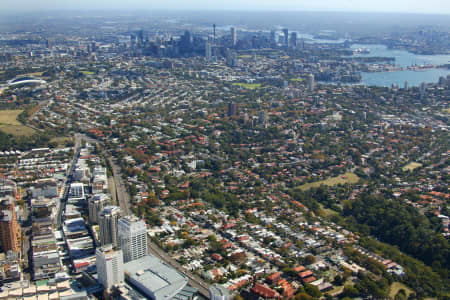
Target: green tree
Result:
[312, 290]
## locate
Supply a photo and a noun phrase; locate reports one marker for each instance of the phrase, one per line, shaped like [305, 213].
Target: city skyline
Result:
[402, 6]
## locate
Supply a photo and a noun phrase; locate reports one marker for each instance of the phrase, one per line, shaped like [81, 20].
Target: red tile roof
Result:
[305, 274]
[264, 291]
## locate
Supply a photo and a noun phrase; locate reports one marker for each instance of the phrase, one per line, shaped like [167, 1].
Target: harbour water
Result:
[403, 59]
[414, 78]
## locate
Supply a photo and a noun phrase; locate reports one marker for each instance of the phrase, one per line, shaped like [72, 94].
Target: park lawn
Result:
[87, 72]
[446, 110]
[17, 130]
[341, 179]
[296, 79]
[248, 86]
[329, 212]
[396, 287]
[9, 117]
[61, 141]
[34, 74]
[336, 291]
[10, 125]
[411, 166]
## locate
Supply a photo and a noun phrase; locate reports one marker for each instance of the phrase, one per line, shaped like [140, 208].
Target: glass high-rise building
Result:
[107, 222]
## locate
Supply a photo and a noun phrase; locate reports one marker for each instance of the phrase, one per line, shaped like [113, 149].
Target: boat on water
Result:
[361, 51]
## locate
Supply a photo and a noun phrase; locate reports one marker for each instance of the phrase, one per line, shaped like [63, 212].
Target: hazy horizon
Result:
[382, 6]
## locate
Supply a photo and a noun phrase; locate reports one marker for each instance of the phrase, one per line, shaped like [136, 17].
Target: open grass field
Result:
[61, 141]
[10, 125]
[296, 79]
[245, 56]
[87, 72]
[397, 286]
[326, 212]
[411, 166]
[17, 130]
[446, 110]
[248, 86]
[341, 179]
[34, 74]
[9, 117]
[336, 291]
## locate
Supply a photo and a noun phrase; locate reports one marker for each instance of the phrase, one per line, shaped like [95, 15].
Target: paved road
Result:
[63, 200]
[112, 189]
[194, 280]
[121, 191]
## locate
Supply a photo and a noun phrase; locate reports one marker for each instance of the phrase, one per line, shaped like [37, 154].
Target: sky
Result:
[403, 6]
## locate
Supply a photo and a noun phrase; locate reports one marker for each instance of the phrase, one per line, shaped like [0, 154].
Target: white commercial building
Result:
[132, 234]
[109, 266]
[219, 292]
[76, 191]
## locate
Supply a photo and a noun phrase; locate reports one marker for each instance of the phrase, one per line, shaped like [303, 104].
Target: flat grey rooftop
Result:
[154, 277]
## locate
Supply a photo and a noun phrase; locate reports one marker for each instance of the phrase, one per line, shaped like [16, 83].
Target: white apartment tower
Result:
[132, 234]
[208, 51]
[311, 82]
[107, 222]
[109, 263]
[233, 36]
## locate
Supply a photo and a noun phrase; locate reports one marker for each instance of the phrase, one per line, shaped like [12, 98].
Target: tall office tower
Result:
[233, 36]
[293, 39]
[109, 263]
[208, 51]
[132, 40]
[286, 36]
[422, 90]
[214, 34]
[107, 222]
[9, 227]
[232, 109]
[230, 57]
[262, 117]
[406, 85]
[273, 38]
[96, 205]
[311, 82]
[140, 36]
[132, 233]
[186, 42]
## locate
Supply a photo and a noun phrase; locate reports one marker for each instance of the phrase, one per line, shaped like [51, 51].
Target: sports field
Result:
[411, 166]
[10, 125]
[248, 86]
[332, 181]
